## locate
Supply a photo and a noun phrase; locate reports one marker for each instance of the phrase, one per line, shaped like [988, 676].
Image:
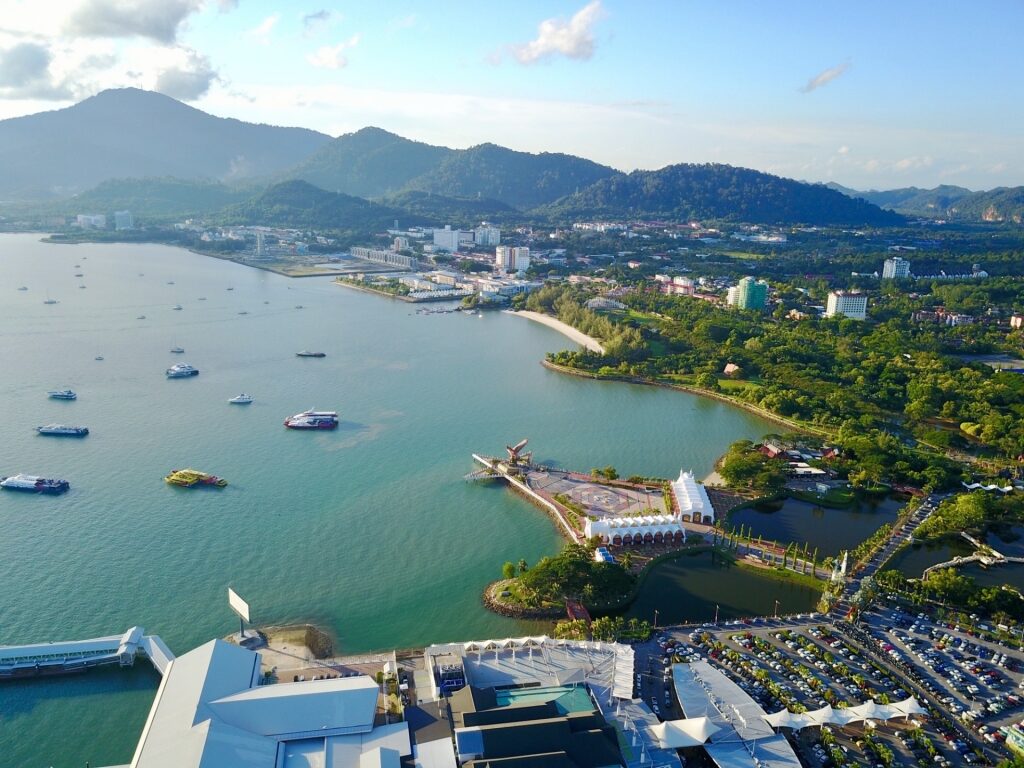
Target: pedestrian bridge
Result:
[56, 658]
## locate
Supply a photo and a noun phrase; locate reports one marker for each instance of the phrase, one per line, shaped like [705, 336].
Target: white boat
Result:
[313, 420]
[242, 399]
[98, 357]
[181, 371]
[177, 307]
[62, 394]
[63, 430]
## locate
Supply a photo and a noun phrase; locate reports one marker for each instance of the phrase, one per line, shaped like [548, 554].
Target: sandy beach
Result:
[566, 330]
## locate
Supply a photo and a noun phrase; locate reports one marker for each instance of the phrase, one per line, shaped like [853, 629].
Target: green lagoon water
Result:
[370, 530]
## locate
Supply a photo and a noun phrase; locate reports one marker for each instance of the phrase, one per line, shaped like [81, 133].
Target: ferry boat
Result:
[63, 430]
[181, 371]
[242, 399]
[305, 353]
[313, 420]
[34, 484]
[189, 478]
[177, 350]
[62, 394]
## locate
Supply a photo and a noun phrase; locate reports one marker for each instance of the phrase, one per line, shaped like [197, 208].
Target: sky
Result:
[873, 95]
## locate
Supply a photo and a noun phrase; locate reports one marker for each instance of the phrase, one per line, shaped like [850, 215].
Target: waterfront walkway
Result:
[18, 661]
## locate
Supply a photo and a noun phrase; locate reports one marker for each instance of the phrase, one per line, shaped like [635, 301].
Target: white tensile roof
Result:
[689, 732]
[869, 710]
[691, 496]
[210, 712]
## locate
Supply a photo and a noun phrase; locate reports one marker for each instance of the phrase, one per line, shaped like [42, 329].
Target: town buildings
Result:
[748, 294]
[123, 220]
[385, 257]
[895, 268]
[511, 259]
[850, 304]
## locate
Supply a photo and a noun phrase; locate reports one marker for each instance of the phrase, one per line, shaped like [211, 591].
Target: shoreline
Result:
[589, 342]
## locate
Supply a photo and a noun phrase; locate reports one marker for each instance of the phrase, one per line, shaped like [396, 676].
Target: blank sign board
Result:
[238, 605]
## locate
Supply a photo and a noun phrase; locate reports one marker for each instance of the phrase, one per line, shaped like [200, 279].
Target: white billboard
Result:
[238, 605]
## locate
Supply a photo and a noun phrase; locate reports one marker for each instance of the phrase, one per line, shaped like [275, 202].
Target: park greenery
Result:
[571, 574]
[608, 628]
[949, 587]
[975, 512]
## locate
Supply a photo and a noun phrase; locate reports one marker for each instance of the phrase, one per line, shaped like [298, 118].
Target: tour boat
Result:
[181, 371]
[305, 353]
[313, 420]
[63, 430]
[188, 478]
[34, 484]
[242, 399]
[62, 394]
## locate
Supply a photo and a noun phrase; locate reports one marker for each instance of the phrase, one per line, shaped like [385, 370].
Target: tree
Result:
[627, 560]
[522, 567]
[508, 571]
[607, 628]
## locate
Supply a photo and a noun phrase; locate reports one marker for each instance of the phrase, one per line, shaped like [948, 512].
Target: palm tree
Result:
[522, 566]
[626, 560]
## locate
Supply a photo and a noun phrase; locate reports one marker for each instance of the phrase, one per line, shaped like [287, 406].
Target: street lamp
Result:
[776, 609]
[655, 618]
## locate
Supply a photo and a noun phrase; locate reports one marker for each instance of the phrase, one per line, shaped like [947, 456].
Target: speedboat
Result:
[242, 399]
[79, 274]
[62, 394]
[141, 317]
[177, 350]
[23, 288]
[34, 484]
[313, 420]
[177, 307]
[181, 371]
[98, 357]
[63, 430]
[306, 353]
[50, 301]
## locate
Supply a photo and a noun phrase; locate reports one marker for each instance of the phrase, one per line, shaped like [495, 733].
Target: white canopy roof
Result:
[785, 719]
[690, 732]
[869, 710]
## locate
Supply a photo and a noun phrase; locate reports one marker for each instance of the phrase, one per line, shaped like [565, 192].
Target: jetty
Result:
[983, 554]
[70, 656]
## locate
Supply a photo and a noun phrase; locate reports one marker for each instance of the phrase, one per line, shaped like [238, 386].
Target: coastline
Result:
[563, 328]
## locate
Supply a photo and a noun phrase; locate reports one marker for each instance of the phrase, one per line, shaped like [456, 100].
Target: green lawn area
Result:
[836, 497]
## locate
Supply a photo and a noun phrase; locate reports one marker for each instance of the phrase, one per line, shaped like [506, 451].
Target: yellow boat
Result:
[188, 478]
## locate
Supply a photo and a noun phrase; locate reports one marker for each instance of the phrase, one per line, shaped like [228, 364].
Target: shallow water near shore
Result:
[369, 531]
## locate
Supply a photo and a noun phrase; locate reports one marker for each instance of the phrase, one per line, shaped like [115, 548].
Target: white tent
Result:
[909, 706]
[690, 732]
[785, 719]
[819, 716]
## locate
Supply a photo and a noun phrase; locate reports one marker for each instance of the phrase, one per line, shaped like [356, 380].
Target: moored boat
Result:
[181, 371]
[313, 420]
[62, 394]
[242, 399]
[306, 353]
[63, 430]
[177, 350]
[34, 484]
[189, 478]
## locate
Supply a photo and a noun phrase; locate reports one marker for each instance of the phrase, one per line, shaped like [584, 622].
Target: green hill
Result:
[912, 201]
[461, 212]
[1003, 204]
[300, 205]
[155, 199]
[715, 191]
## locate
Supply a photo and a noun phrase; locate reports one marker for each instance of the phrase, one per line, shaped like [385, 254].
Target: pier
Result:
[984, 554]
[70, 656]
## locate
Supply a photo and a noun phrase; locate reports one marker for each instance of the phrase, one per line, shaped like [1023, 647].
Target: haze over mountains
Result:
[140, 150]
[947, 201]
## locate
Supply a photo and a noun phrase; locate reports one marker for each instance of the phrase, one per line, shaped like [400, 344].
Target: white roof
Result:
[691, 496]
[690, 732]
[439, 753]
[209, 712]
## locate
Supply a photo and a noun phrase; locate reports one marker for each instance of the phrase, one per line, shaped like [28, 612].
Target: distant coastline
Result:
[563, 328]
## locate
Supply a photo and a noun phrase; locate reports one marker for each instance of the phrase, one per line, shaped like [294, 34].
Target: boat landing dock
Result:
[60, 658]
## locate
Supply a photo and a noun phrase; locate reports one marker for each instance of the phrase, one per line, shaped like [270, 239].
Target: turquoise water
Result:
[369, 531]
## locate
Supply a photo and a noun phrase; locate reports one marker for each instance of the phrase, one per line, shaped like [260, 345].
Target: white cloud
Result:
[158, 20]
[573, 39]
[318, 21]
[261, 32]
[913, 162]
[825, 77]
[843, 150]
[25, 73]
[333, 56]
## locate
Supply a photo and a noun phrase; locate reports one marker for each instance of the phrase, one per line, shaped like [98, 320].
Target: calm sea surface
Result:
[369, 531]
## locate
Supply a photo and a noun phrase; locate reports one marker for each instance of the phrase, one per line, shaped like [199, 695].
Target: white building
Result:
[848, 304]
[210, 711]
[449, 239]
[692, 499]
[895, 268]
[487, 235]
[385, 257]
[123, 220]
[91, 221]
[732, 295]
[400, 244]
[509, 259]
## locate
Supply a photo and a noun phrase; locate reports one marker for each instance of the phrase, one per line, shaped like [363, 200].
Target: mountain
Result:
[300, 205]
[912, 201]
[715, 191]
[369, 163]
[163, 198]
[375, 163]
[456, 211]
[133, 133]
[520, 179]
[997, 205]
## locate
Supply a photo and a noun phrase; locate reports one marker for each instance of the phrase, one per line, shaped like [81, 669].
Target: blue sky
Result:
[869, 94]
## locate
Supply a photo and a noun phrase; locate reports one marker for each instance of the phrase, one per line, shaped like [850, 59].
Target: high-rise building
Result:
[123, 220]
[400, 244]
[895, 268]
[449, 239]
[487, 235]
[749, 294]
[847, 304]
[511, 259]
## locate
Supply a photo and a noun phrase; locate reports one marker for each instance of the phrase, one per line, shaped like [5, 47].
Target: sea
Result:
[370, 531]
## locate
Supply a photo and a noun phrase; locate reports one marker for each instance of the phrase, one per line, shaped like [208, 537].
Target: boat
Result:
[181, 371]
[23, 288]
[177, 350]
[141, 317]
[177, 307]
[299, 306]
[170, 282]
[242, 399]
[81, 286]
[189, 478]
[305, 353]
[231, 289]
[313, 420]
[50, 301]
[201, 298]
[98, 357]
[79, 274]
[63, 430]
[243, 312]
[34, 484]
[62, 394]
